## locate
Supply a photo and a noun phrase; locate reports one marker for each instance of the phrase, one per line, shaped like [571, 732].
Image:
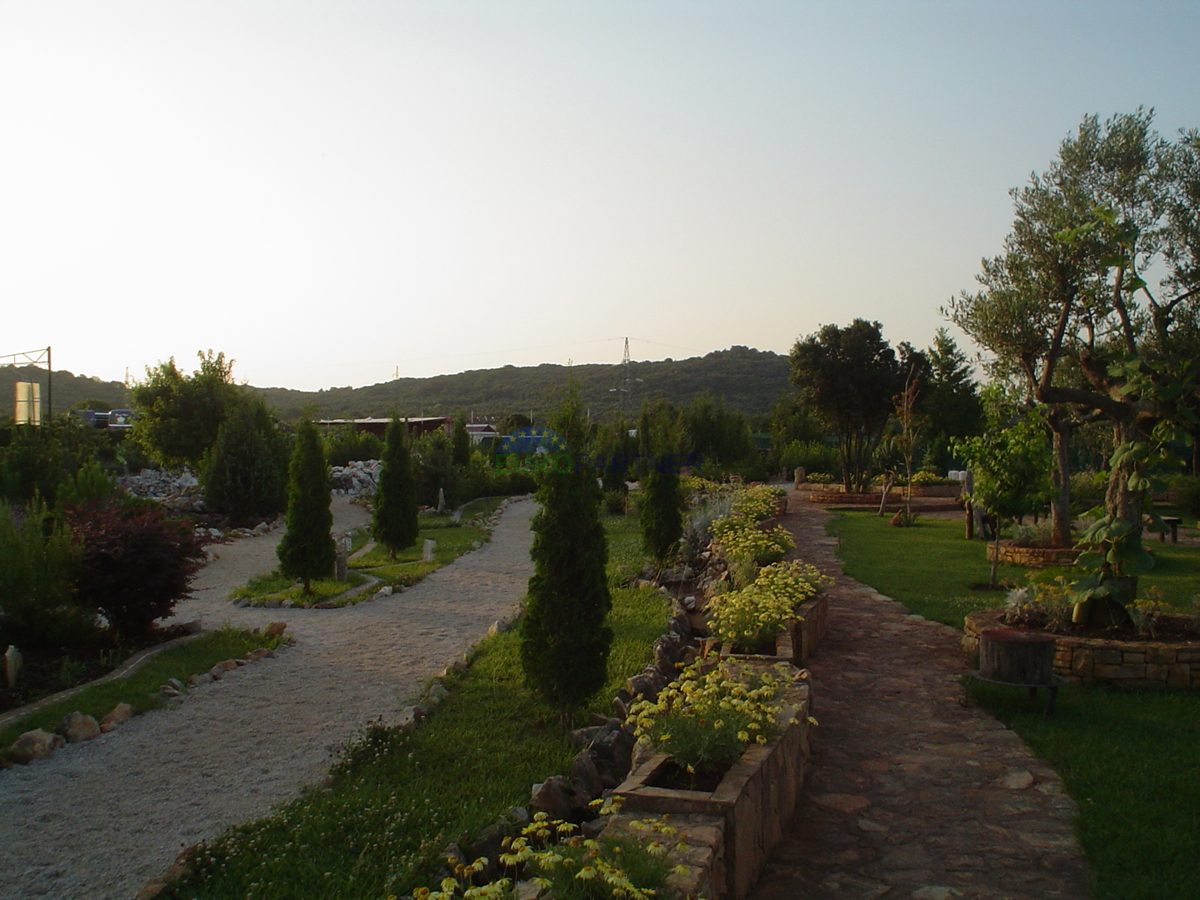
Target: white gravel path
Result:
[98, 820]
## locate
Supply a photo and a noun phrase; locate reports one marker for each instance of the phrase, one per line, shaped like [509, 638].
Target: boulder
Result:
[585, 775]
[121, 713]
[275, 629]
[36, 744]
[559, 798]
[76, 727]
[648, 683]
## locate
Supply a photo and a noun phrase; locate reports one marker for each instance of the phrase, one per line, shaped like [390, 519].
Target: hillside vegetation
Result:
[747, 380]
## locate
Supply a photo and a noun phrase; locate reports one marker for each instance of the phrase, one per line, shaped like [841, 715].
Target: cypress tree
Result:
[661, 510]
[307, 550]
[460, 442]
[564, 641]
[394, 522]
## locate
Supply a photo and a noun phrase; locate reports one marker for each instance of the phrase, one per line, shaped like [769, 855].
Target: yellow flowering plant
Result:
[707, 717]
[756, 502]
[551, 854]
[756, 613]
[738, 537]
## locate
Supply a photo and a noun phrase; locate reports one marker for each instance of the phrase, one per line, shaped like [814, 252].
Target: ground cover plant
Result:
[1128, 758]
[140, 688]
[398, 797]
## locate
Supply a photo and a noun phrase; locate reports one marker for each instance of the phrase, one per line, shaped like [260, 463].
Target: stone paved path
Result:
[912, 795]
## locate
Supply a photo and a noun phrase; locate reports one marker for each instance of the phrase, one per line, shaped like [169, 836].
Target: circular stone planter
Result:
[1033, 557]
[1160, 664]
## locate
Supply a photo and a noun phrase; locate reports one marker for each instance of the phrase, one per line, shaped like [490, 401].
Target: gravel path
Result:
[98, 820]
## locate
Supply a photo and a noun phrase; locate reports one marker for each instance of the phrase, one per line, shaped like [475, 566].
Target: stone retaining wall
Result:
[1160, 664]
[810, 631]
[1033, 557]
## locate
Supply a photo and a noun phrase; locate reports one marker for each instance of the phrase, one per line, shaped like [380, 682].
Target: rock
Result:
[518, 816]
[275, 629]
[76, 727]
[583, 737]
[497, 627]
[167, 691]
[193, 627]
[258, 654]
[36, 744]
[559, 798]
[202, 678]
[490, 843]
[585, 776]
[620, 708]
[641, 752]
[613, 756]
[1017, 780]
[410, 717]
[529, 890]
[121, 713]
[647, 684]
[175, 683]
[437, 692]
[592, 829]
[241, 602]
[385, 591]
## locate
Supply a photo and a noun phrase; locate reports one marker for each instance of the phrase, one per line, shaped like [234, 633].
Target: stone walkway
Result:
[912, 795]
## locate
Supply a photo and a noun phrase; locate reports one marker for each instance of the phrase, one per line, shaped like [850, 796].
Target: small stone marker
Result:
[427, 550]
[12, 665]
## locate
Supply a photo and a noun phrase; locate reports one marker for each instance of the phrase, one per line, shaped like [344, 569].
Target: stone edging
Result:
[1160, 664]
[132, 664]
[77, 727]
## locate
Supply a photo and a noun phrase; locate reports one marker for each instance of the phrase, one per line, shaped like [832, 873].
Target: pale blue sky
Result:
[329, 192]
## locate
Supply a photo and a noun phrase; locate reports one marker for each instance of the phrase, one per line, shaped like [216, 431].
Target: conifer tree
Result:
[394, 522]
[460, 442]
[661, 511]
[307, 550]
[565, 641]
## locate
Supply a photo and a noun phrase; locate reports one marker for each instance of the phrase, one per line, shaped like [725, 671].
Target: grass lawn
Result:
[1130, 759]
[398, 797]
[452, 538]
[140, 689]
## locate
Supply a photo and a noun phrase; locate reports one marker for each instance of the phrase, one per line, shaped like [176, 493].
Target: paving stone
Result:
[912, 794]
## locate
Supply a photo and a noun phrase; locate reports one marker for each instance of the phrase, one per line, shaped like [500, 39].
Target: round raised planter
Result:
[1084, 660]
[1033, 557]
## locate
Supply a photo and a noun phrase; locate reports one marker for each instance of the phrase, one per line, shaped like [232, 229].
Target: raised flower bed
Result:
[1090, 660]
[1033, 557]
[744, 816]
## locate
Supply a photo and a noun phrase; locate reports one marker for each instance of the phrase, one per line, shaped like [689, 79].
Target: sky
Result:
[337, 193]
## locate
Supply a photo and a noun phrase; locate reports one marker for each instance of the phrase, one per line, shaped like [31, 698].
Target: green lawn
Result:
[397, 798]
[1130, 759]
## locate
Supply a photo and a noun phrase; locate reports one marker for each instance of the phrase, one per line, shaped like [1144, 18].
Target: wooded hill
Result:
[69, 390]
[746, 380]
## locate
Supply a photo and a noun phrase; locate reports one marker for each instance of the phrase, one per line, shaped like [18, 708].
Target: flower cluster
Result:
[736, 536]
[571, 867]
[707, 717]
[755, 614]
[757, 502]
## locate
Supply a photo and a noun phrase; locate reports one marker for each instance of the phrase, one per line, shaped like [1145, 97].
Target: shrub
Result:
[307, 550]
[661, 513]
[564, 638]
[135, 562]
[812, 456]
[38, 563]
[245, 470]
[394, 521]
